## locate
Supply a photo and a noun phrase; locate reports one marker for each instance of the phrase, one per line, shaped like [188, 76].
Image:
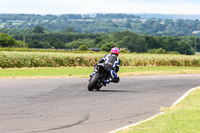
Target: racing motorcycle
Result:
[96, 81]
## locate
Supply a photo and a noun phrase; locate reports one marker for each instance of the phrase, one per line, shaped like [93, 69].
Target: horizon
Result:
[99, 13]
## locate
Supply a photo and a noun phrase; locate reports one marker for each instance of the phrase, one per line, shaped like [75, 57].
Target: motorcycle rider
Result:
[111, 64]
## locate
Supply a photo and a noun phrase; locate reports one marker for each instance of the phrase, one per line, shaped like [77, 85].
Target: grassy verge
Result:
[85, 71]
[183, 118]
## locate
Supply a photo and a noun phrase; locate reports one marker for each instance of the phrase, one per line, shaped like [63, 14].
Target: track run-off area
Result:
[64, 105]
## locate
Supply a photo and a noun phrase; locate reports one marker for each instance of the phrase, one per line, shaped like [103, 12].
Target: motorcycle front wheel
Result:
[93, 82]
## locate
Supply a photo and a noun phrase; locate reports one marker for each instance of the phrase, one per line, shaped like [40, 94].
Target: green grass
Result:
[183, 118]
[60, 71]
[85, 71]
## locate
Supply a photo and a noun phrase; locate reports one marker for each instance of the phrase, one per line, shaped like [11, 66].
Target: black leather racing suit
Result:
[111, 64]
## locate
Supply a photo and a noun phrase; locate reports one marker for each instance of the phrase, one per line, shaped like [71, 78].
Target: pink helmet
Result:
[115, 50]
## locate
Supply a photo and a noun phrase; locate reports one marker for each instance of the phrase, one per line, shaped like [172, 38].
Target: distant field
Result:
[9, 59]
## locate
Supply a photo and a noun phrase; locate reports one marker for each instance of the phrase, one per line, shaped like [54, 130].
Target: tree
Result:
[39, 44]
[69, 29]
[170, 44]
[131, 41]
[74, 44]
[152, 42]
[20, 44]
[185, 48]
[59, 45]
[128, 25]
[108, 46]
[6, 40]
[83, 48]
[38, 29]
[170, 29]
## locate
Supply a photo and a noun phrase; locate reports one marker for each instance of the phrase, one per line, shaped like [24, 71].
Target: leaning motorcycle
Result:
[98, 78]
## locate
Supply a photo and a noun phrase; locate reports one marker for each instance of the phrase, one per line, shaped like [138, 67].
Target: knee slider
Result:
[116, 80]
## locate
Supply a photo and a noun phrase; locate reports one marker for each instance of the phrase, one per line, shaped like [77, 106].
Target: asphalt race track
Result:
[65, 105]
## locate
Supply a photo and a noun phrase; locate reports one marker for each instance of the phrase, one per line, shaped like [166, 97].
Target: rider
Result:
[111, 64]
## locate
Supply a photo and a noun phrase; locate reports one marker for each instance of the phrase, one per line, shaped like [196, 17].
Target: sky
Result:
[100, 6]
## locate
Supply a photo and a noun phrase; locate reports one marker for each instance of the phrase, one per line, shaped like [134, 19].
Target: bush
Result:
[83, 48]
[157, 51]
[50, 59]
[173, 52]
[123, 51]
[20, 44]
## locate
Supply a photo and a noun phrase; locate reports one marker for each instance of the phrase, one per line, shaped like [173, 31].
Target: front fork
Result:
[94, 72]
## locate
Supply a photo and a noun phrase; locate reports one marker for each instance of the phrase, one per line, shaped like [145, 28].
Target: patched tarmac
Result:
[65, 106]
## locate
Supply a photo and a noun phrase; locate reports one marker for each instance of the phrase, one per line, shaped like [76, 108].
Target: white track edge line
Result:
[182, 97]
[132, 125]
[176, 102]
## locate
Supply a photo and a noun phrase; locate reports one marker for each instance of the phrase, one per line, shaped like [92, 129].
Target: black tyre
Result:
[93, 82]
[98, 87]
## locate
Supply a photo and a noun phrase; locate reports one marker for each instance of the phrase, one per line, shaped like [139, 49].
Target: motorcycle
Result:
[97, 79]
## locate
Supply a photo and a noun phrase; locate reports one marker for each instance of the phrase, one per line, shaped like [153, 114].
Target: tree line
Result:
[39, 37]
[100, 23]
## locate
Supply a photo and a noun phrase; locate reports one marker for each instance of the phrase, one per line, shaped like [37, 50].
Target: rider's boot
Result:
[116, 80]
[106, 82]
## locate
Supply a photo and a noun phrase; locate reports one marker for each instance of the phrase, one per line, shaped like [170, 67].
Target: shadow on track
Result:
[116, 91]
